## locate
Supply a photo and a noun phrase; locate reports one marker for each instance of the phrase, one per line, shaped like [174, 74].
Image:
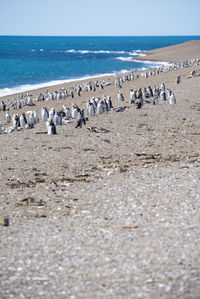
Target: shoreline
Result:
[56, 84]
[38, 86]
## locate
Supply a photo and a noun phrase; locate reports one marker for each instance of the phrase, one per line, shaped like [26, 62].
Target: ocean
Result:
[31, 62]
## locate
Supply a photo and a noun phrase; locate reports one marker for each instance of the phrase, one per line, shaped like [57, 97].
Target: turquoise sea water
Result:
[29, 62]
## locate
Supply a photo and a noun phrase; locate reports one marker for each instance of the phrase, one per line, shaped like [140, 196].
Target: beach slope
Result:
[176, 53]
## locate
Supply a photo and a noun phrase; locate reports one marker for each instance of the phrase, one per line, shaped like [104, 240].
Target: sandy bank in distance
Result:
[180, 52]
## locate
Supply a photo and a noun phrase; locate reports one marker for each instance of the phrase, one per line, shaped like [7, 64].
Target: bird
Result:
[172, 99]
[44, 114]
[178, 80]
[36, 118]
[75, 111]
[90, 109]
[16, 122]
[57, 119]
[132, 96]
[109, 103]
[7, 117]
[81, 120]
[52, 113]
[29, 101]
[100, 107]
[120, 96]
[155, 101]
[163, 96]
[162, 86]
[51, 128]
[23, 121]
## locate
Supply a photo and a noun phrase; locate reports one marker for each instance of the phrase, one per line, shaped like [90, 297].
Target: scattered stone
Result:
[4, 221]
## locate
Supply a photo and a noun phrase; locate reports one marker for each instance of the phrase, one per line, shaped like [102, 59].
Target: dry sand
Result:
[174, 54]
[112, 215]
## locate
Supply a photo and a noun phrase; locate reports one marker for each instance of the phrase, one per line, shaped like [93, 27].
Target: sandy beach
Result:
[174, 53]
[106, 215]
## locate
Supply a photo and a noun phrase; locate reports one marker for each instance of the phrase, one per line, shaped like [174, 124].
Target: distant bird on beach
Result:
[162, 86]
[52, 113]
[16, 122]
[57, 119]
[31, 120]
[178, 80]
[172, 99]
[36, 118]
[139, 93]
[29, 100]
[132, 96]
[108, 103]
[44, 114]
[155, 101]
[66, 112]
[100, 107]
[150, 91]
[81, 120]
[163, 96]
[120, 96]
[75, 110]
[139, 105]
[2, 106]
[23, 121]
[7, 117]
[51, 128]
[90, 109]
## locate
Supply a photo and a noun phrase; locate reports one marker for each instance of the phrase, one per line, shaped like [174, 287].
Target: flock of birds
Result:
[94, 106]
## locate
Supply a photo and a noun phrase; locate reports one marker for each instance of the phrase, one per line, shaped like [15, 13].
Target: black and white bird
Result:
[178, 80]
[16, 122]
[100, 107]
[23, 121]
[132, 96]
[57, 119]
[81, 119]
[120, 96]
[7, 117]
[90, 109]
[44, 114]
[163, 96]
[172, 99]
[51, 128]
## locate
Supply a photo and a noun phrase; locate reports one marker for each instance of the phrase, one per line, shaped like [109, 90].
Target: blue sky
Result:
[99, 17]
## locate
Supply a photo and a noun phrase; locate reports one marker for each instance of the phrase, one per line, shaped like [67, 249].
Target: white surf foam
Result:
[136, 54]
[124, 71]
[125, 58]
[94, 52]
[159, 63]
[133, 52]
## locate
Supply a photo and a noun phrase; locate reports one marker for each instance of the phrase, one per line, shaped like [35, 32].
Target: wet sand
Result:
[112, 215]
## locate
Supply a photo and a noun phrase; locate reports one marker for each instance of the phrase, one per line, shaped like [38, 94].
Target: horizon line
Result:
[24, 35]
